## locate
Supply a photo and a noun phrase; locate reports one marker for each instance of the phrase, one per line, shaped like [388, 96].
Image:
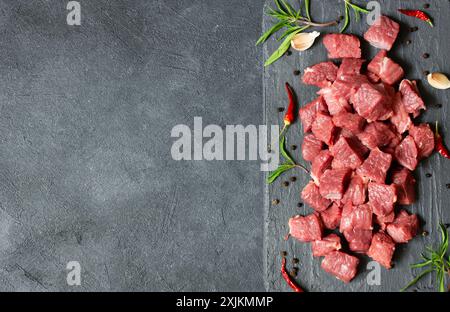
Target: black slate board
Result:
[433, 196]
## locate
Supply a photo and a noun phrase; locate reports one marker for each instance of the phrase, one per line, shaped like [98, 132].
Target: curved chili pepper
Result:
[289, 117]
[440, 147]
[288, 278]
[417, 14]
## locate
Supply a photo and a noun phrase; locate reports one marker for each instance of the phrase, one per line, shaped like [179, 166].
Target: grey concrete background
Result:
[433, 196]
[85, 166]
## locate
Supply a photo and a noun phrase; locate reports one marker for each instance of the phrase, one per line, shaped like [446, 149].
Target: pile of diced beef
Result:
[363, 146]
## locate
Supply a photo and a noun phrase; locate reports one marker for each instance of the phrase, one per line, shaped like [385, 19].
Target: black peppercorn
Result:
[426, 73]
[439, 105]
[275, 202]
[284, 253]
[285, 183]
[424, 233]
[408, 42]
[288, 52]
[295, 260]
[293, 179]
[294, 147]
[296, 72]
[426, 6]
[300, 205]
[448, 185]
[281, 109]
[428, 175]
[426, 55]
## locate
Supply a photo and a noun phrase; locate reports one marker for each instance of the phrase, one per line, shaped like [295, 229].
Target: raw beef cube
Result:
[356, 217]
[308, 112]
[382, 249]
[411, 98]
[385, 68]
[328, 244]
[331, 217]
[383, 33]
[383, 221]
[341, 265]
[404, 227]
[404, 180]
[312, 197]
[356, 191]
[348, 85]
[349, 121]
[358, 240]
[311, 147]
[336, 103]
[306, 229]
[321, 75]
[346, 154]
[400, 118]
[378, 134]
[375, 166]
[342, 46]
[382, 198]
[323, 128]
[334, 182]
[406, 153]
[350, 66]
[371, 103]
[424, 138]
[321, 163]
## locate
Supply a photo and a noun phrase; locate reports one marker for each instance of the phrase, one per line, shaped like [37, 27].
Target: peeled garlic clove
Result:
[438, 81]
[304, 41]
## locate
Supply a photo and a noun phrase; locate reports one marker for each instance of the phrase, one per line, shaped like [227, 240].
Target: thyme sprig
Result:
[435, 260]
[293, 21]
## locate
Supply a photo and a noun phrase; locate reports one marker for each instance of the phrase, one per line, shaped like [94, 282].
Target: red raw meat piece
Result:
[371, 104]
[311, 147]
[350, 66]
[321, 163]
[406, 186]
[356, 217]
[334, 182]
[382, 198]
[358, 240]
[404, 227]
[349, 121]
[346, 154]
[306, 229]
[375, 166]
[331, 217]
[378, 134]
[323, 128]
[342, 46]
[385, 68]
[312, 197]
[411, 98]
[356, 191]
[406, 153]
[321, 75]
[308, 112]
[424, 138]
[341, 265]
[328, 244]
[336, 103]
[382, 249]
[347, 85]
[383, 33]
[383, 221]
[400, 118]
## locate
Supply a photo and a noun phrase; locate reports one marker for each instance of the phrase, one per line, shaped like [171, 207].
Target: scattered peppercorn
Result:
[426, 73]
[285, 183]
[284, 253]
[281, 109]
[288, 52]
[439, 105]
[296, 72]
[428, 175]
[275, 202]
[408, 42]
[293, 179]
[413, 29]
[448, 185]
[294, 147]
[424, 233]
[295, 261]
[426, 6]
[426, 55]
[269, 149]
[299, 205]
[293, 273]
[341, 17]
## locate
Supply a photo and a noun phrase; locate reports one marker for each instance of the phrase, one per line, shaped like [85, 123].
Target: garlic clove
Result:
[304, 41]
[438, 81]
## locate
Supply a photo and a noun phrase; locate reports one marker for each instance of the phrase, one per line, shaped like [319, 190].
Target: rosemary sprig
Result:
[296, 21]
[290, 163]
[435, 261]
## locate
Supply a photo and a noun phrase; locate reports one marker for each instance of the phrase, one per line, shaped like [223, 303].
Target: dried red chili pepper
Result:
[288, 278]
[440, 147]
[289, 117]
[417, 14]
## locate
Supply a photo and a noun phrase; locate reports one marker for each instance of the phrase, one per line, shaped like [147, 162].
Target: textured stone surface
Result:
[433, 196]
[85, 166]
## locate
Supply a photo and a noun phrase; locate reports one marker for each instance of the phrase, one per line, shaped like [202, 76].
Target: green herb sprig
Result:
[295, 21]
[288, 165]
[435, 261]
